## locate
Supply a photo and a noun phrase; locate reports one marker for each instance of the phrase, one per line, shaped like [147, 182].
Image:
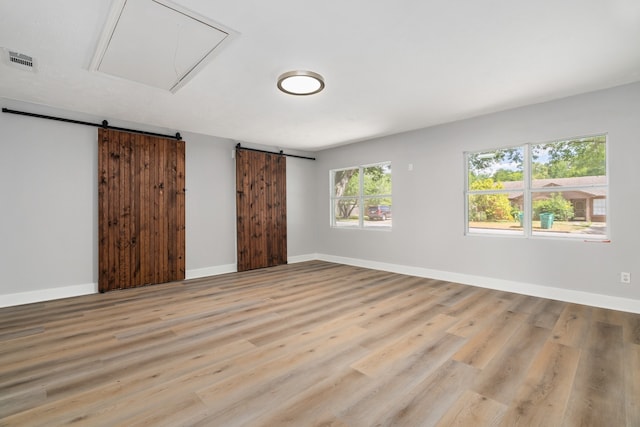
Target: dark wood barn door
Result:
[141, 210]
[261, 203]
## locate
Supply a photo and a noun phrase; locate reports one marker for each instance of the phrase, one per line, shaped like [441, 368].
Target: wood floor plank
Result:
[488, 342]
[573, 325]
[477, 317]
[472, 303]
[632, 383]
[631, 328]
[611, 317]
[547, 314]
[503, 376]
[316, 405]
[129, 379]
[472, 409]
[250, 403]
[525, 304]
[428, 402]
[367, 406]
[598, 391]
[542, 399]
[234, 386]
[317, 344]
[377, 362]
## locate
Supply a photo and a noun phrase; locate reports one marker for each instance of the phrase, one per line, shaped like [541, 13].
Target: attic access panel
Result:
[157, 43]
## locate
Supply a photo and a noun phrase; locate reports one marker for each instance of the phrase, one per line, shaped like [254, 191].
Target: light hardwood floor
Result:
[317, 344]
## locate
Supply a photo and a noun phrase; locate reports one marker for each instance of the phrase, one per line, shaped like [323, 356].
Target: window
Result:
[361, 197]
[555, 189]
[599, 207]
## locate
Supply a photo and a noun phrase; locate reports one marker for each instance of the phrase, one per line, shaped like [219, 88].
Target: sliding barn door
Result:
[141, 210]
[261, 201]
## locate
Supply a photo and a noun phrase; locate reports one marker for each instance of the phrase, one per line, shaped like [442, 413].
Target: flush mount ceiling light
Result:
[300, 82]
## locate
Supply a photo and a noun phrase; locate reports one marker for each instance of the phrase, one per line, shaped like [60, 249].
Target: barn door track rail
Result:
[239, 147]
[104, 124]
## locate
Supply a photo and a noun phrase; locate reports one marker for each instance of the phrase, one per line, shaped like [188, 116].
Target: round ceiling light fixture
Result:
[300, 82]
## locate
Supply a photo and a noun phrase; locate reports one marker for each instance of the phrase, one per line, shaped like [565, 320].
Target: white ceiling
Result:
[388, 66]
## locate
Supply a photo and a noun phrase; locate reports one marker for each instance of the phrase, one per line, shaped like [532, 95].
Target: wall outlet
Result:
[625, 277]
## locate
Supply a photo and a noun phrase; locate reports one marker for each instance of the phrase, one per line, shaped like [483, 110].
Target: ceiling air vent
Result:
[18, 60]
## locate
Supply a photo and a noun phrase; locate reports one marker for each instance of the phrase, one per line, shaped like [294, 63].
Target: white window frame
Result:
[360, 198]
[528, 190]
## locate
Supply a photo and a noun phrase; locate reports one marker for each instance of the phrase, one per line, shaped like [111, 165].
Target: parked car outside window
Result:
[379, 212]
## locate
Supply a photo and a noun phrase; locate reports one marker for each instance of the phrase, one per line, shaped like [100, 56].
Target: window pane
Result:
[599, 207]
[346, 212]
[346, 182]
[496, 213]
[570, 213]
[502, 168]
[573, 162]
[378, 212]
[377, 179]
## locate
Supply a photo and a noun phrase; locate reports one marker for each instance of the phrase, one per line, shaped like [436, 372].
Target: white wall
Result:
[301, 209]
[428, 204]
[210, 206]
[48, 205]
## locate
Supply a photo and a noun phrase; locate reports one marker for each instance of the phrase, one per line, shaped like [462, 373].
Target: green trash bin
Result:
[520, 216]
[546, 220]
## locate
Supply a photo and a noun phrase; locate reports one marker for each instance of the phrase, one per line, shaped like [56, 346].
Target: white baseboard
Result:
[567, 295]
[47, 294]
[210, 271]
[41, 295]
[302, 258]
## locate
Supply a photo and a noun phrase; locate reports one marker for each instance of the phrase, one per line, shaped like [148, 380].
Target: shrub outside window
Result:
[554, 189]
[361, 197]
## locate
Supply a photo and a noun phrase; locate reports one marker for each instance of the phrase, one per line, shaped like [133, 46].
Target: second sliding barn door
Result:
[261, 203]
[141, 210]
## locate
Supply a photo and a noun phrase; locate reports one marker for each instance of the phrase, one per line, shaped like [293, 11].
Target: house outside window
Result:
[554, 189]
[361, 197]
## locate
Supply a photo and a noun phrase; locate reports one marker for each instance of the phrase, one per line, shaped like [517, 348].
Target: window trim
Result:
[528, 190]
[360, 198]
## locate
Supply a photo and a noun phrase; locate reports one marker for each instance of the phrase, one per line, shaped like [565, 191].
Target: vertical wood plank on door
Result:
[181, 203]
[156, 242]
[261, 209]
[261, 202]
[145, 215]
[124, 210]
[162, 226]
[171, 208]
[135, 210]
[252, 215]
[103, 208]
[241, 203]
[141, 210]
[265, 211]
[270, 178]
[257, 240]
[113, 201]
[281, 207]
